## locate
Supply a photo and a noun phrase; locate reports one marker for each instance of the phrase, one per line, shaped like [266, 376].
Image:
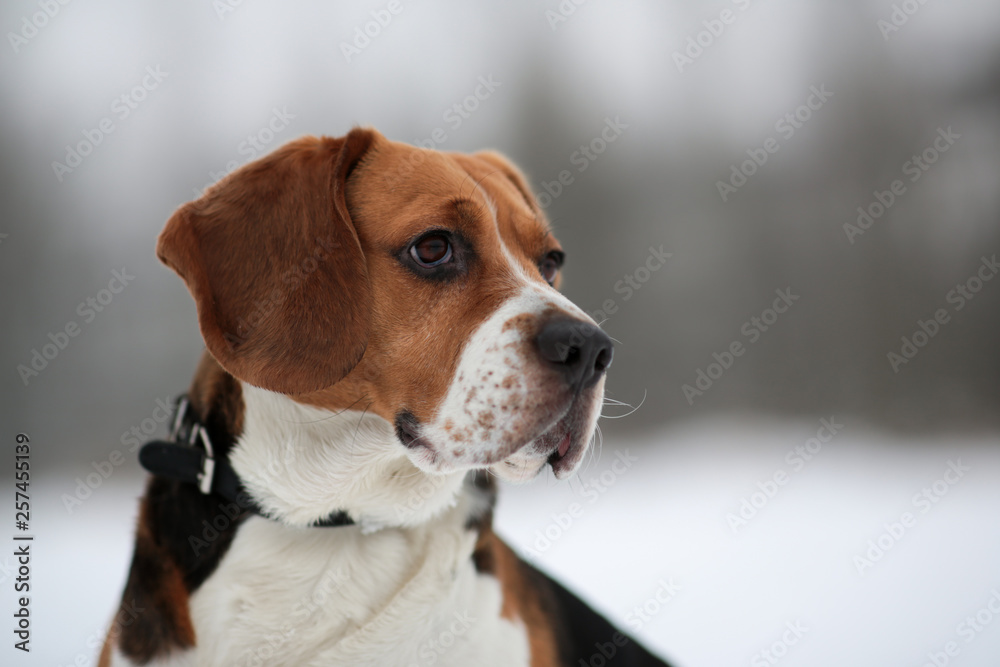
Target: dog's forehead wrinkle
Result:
[490, 204]
[511, 260]
[506, 180]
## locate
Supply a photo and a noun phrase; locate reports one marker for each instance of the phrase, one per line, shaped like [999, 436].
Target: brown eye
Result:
[550, 266]
[432, 250]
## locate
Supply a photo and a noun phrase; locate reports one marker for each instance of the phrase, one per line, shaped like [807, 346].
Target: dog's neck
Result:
[406, 572]
[302, 463]
[400, 596]
[263, 587]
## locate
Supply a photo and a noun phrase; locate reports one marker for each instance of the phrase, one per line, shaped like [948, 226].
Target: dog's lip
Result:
[559, 446]
[407, 427]
[563, 445]
[567, 448]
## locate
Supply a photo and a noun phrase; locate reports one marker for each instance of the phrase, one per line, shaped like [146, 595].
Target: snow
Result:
[648, 516]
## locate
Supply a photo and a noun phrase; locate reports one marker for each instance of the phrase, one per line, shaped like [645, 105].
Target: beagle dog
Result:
[384, 341]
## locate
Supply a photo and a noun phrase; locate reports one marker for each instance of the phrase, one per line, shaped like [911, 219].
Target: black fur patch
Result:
[584, 636]
[182, 537]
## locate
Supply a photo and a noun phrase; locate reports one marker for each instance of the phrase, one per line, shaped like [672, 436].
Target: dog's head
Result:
[363, 274]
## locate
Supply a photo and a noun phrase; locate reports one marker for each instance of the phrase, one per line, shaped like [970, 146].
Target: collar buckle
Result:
[188, 456]
[187, 428]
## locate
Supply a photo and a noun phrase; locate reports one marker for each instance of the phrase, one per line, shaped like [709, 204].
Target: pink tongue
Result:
[564, 445]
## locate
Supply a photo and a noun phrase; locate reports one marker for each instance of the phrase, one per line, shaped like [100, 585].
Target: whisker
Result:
[358, 427]
[614, 401]
[598, 444]
[335, 414]
[632, 411]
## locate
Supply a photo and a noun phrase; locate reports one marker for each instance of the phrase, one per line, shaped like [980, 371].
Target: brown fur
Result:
[156, 589]
[358, 317]
[262, 250]
[522, 598]
[214, 388]
[400, 370]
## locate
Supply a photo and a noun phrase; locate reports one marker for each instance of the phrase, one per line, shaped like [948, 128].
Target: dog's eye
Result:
[432, 250]
[550, 266]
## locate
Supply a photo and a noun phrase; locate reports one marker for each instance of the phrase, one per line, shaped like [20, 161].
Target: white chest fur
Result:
[406, 597]
[401, 589]
[322, 596]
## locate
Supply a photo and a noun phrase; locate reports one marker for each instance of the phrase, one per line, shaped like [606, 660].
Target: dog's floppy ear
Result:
[274, 264]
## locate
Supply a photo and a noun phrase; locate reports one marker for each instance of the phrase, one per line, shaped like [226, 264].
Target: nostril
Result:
[580, 351]
[572, 356]
[603, 360]
[554, 347]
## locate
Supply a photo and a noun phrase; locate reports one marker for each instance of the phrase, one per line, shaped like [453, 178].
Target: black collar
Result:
[188, 457]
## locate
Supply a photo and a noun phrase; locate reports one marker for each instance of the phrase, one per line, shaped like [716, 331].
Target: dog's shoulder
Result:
[563, 629]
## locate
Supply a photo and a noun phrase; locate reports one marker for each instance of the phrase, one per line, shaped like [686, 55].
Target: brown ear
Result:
[505, 167]
[275, 266]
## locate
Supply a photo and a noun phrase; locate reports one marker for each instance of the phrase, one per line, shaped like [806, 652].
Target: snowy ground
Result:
[647, 541]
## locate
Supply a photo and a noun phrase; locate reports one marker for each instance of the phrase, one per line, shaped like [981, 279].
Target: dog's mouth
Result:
[566, 442]
[408, 429]
[561, 445]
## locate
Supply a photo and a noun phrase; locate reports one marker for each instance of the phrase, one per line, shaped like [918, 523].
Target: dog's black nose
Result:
[580, 350]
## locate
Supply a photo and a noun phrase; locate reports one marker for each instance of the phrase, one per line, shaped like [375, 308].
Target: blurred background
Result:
[845, 155]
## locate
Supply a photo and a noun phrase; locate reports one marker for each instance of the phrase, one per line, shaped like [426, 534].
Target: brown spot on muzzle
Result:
[525, 322]
[486, 419]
